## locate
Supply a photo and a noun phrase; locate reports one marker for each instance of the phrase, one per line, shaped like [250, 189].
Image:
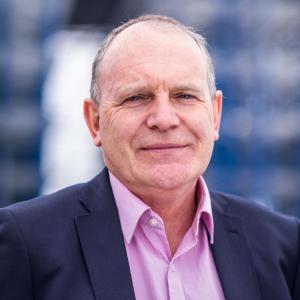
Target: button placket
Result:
[174, 283]
[172, 267]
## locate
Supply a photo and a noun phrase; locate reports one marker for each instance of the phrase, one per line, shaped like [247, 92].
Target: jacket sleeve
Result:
[15, 271]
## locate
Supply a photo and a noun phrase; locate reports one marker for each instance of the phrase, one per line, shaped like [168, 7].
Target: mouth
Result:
[167, 146]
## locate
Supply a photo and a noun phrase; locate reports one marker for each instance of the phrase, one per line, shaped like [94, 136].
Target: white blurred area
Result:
[68, 155]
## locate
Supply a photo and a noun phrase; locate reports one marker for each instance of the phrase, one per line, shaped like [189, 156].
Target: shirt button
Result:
[172, 267]
[153, 222]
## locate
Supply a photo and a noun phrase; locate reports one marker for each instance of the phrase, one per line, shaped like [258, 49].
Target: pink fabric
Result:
[156, 275]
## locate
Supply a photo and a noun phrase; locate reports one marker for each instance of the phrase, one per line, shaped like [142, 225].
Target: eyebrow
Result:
[189, 87]
[123, 91]
[131, 88]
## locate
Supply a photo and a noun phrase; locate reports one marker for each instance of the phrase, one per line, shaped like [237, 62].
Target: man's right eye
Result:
[135, 98]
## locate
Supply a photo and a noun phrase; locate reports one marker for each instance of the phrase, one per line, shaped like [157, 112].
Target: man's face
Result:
[157, 122]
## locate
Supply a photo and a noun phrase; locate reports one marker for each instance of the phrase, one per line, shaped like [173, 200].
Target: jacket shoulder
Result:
[46, 203]
[247, 210]
[56, 210]
[265, 229]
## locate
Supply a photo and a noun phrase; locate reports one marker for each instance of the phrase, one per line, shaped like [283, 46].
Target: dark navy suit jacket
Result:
[69, 246]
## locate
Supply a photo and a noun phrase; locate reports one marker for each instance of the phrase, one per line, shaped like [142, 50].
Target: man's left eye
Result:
[185, 96]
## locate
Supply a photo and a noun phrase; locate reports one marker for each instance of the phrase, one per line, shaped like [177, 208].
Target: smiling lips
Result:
[168, 146]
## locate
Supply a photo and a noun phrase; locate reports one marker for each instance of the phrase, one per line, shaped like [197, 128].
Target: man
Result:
[147, 227]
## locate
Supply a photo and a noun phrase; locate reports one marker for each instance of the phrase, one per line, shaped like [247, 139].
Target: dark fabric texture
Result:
[69, 245]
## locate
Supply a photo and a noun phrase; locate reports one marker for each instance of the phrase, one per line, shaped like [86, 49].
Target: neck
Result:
[176, 208]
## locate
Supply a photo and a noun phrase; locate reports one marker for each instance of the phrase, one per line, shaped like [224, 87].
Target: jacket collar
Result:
[231, 252]
[102, 241]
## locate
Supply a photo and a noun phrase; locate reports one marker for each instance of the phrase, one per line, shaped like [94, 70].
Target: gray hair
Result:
[95, 89]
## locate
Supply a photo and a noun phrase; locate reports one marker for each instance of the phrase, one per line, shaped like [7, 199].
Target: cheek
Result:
[110, 116]
[119, 128]
[201, 125]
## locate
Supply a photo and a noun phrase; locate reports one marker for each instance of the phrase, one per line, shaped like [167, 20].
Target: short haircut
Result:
[95, 89]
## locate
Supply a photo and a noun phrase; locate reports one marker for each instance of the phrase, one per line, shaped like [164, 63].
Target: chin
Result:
[171, 177]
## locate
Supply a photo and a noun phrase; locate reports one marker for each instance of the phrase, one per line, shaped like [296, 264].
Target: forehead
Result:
[153, 53]
[152, 44]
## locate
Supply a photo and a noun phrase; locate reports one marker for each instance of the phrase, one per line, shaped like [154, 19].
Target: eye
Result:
[185, 96]
[135, 98]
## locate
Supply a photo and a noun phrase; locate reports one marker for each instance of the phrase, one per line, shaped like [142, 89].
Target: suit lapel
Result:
[232, 255]
[102, 242]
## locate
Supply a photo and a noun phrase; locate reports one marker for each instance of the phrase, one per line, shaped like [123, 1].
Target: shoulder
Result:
[262, 226]
[64, 198]
[249, 211]
[260, 223]
[58, 209]
[42, 214]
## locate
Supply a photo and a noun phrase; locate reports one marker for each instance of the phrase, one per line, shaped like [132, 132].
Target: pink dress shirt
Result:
[156, 275]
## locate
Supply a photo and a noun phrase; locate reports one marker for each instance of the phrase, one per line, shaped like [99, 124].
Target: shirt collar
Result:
[204, 210]
[131, 208]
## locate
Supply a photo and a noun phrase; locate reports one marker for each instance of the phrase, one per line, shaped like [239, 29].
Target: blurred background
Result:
[46, 51]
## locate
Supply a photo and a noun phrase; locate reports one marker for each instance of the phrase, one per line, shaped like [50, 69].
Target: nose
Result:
[162, 114]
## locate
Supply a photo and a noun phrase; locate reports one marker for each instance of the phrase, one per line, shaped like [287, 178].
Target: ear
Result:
[217, 108]
[92, 119]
